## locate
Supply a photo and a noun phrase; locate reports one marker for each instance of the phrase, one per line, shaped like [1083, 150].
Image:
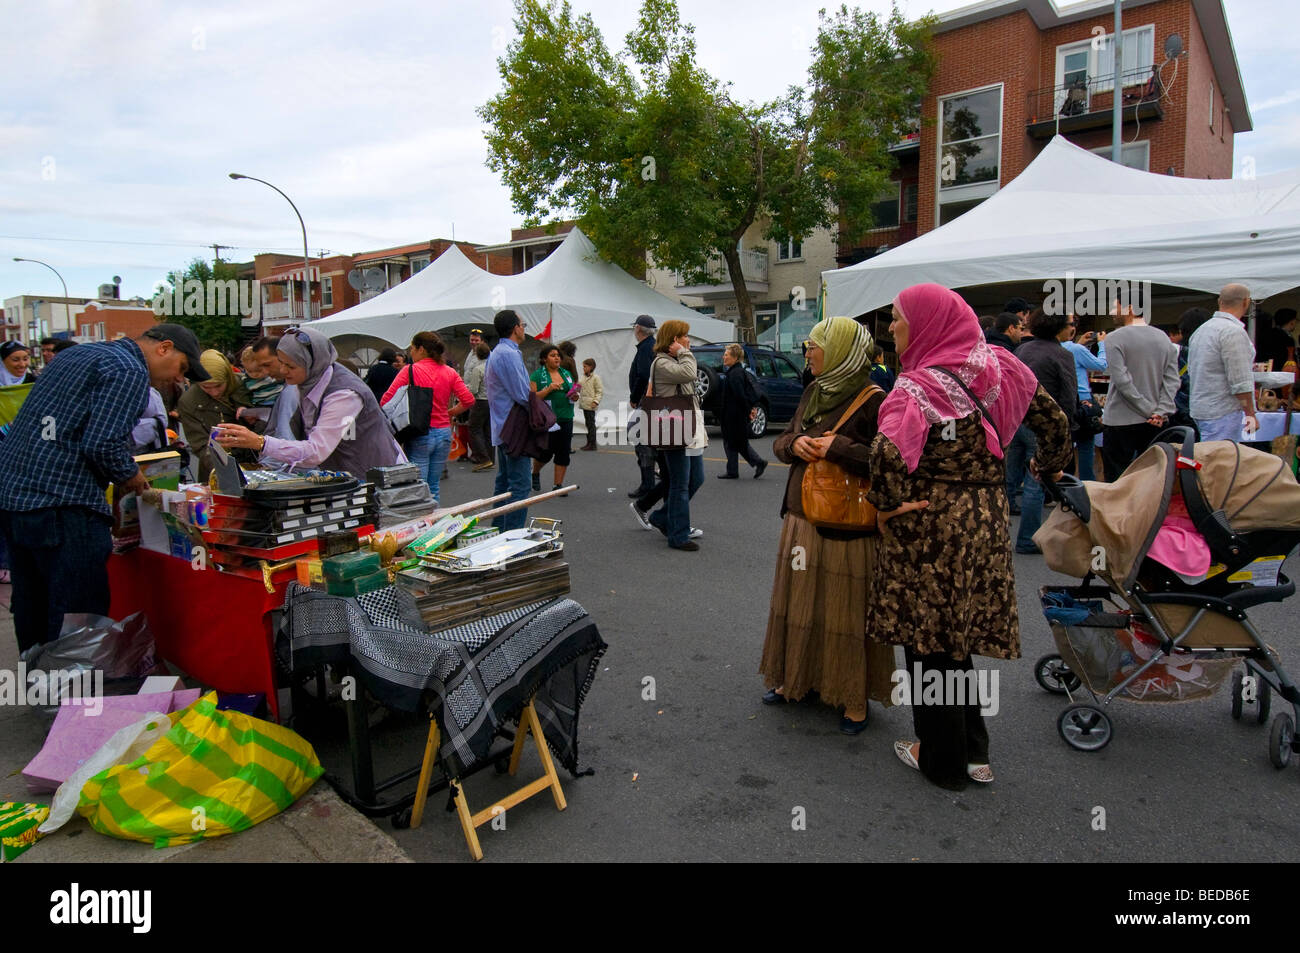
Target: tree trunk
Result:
[744, 306]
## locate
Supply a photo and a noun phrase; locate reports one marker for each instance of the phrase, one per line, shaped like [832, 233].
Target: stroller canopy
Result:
[1255, 490]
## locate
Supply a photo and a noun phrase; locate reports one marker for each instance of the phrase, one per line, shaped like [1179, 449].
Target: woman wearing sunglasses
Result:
[338, 424]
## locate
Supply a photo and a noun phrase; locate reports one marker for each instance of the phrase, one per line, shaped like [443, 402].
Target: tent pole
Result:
[1117, 97]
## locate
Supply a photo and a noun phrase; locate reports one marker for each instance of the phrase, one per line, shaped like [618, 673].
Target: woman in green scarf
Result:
[816, 626]
[211, 402]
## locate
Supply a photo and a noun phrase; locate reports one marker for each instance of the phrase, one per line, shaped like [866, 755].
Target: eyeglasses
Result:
[303, 338]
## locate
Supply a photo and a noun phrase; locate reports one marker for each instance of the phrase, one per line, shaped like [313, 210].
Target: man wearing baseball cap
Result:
[69, 442]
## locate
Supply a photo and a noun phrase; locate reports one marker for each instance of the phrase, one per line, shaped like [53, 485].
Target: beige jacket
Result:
[667, 372]
[592, 392]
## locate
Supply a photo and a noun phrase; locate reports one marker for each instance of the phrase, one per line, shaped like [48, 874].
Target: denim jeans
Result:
[429, 452]
[59, 559]
[685, 476]
[1087, 451]
[1018, 452]
[515, 476]
[1031, 514]
[1227, 427]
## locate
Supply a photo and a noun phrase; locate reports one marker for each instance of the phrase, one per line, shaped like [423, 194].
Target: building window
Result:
[326, 292]
[910, 191]
[1135, 155]
[970, 150]
[884, 211]
[1094, 63]
[1211, 107]
[418, 265]
[789, 250]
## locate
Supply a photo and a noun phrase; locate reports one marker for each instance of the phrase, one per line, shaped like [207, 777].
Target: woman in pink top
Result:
[451, 398]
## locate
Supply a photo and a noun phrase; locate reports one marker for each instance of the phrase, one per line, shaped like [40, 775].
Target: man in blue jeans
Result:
[70, 440]
[506, 383]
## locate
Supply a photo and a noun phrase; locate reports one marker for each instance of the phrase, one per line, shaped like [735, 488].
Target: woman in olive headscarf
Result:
[816, 627]
[338, 424]
[209, 403]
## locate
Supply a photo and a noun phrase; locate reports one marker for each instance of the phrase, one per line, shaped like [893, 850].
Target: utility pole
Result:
[1117, 107]
[216, 252]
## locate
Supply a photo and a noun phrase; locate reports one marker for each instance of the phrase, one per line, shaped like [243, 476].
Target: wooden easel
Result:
[528, 723]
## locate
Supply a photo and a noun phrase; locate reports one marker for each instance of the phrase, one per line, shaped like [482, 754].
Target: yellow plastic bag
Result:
[215, 772]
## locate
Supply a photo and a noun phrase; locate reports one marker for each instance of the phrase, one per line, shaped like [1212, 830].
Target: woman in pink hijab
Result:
[946, 590]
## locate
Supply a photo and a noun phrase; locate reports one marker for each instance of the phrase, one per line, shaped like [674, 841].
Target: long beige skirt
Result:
[816, 627]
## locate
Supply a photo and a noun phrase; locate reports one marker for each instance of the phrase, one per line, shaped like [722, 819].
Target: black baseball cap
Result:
[644, 321]
[183, 340]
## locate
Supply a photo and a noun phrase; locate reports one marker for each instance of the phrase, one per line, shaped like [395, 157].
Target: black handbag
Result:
[419, 408]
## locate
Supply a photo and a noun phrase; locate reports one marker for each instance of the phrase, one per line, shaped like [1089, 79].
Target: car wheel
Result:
[758, 425]
[707, 387]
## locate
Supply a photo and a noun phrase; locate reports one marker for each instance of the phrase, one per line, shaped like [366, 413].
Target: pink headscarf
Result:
[943, 331]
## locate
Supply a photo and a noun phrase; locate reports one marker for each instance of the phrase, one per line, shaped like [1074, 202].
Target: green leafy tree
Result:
[652, 154]
[214, 319]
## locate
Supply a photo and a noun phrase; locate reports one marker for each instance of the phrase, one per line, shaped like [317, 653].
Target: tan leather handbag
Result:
[833, 498]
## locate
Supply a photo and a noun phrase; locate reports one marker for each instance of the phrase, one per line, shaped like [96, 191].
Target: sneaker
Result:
[485, 465]
[759, 468]
[556, 487]
[537, 483]
[688, 546]
[695, 533]
[641, 515]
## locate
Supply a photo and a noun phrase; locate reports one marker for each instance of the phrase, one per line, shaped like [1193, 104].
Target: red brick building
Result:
[105, 322]
[328, 287]
[1013, 74]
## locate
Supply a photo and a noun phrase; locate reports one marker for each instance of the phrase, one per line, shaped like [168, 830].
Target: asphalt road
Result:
[706, 772]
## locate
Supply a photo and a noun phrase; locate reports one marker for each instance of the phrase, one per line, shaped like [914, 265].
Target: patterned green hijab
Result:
[845, 367]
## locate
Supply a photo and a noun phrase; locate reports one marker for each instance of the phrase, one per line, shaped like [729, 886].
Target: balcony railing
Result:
[753, 266]
[1086, 103]
[285, 310]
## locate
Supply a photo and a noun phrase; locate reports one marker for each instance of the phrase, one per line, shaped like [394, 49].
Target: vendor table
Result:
[212, 625]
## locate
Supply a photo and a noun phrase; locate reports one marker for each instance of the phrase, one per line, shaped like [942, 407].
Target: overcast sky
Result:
[119, 121]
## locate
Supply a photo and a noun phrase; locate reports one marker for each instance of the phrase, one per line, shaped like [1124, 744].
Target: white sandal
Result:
[904, 751]
[980, 772]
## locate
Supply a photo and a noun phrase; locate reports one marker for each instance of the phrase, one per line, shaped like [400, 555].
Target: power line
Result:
[107, 241]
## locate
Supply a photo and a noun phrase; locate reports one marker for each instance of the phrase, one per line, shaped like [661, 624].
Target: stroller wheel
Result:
[1084, 727]
[1053, 675]
[1280, 737]
[1237, 681]
[1265, 701]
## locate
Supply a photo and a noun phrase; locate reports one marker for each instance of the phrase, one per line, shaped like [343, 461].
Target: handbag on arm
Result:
[834, 498]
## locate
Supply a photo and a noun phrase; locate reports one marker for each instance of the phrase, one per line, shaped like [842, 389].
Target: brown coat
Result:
[851, 448]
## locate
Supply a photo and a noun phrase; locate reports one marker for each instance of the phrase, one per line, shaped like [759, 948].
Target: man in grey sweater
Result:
[1143, 369]
[1219, 363]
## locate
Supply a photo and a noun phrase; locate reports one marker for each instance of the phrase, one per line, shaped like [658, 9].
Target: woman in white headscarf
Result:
[338, 424]
[14, 361]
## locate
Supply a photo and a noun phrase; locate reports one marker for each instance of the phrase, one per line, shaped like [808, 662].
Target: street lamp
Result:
[306, 264]
[67, 314]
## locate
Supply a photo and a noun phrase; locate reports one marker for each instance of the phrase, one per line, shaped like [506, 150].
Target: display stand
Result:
[528, 724]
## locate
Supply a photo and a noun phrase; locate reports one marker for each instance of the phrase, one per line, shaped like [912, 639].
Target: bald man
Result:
[1219, 370]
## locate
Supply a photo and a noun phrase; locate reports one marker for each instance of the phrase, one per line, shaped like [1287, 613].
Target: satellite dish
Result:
[1173, 46]
[355, 279]
[374, 279]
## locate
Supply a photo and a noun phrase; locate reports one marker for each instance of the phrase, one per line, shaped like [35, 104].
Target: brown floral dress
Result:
[944, 581]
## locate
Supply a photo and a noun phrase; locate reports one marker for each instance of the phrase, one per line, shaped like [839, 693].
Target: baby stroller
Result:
[1171, 557]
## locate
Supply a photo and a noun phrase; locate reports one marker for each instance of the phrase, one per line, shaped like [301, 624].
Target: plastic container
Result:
[350, 566]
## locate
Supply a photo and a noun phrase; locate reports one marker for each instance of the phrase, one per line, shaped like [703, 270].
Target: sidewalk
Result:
[319, 828]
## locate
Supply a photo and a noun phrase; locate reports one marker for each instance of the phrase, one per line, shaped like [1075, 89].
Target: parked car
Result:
[778, 381]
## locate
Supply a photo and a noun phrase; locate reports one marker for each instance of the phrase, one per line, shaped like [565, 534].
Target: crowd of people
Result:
[951, 445]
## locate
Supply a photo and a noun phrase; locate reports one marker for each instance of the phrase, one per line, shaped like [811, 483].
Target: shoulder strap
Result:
[858, 401]
[978, 403]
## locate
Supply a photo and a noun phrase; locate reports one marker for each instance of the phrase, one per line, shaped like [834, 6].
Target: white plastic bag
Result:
[123, 748]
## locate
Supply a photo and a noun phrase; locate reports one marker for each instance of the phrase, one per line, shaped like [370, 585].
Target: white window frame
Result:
[326, 292]
[422, 261]
[902, 208]
[1211, 105]
[898, 202]
[1142, 144]
[978, 190]
[1101, 62]
[785, 251]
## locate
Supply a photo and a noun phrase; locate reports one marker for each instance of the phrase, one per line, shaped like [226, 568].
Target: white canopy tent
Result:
[1073, 212]
[572, 295]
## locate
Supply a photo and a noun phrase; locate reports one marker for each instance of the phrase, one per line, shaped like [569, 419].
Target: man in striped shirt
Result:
[69, 442]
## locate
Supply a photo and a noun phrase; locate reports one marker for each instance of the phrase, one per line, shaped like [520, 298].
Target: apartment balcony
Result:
[1087, 104]
[285, 312]
[753, 266]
